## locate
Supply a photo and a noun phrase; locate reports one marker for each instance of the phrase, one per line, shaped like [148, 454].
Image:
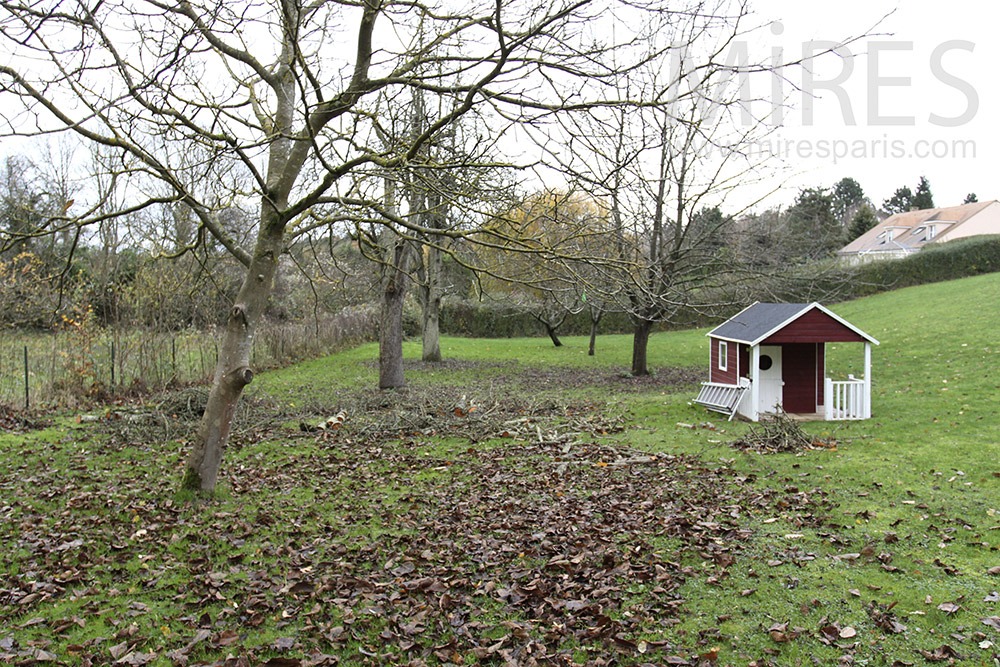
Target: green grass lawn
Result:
[523, 502]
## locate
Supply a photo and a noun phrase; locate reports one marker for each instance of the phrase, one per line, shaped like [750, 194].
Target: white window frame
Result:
[723, 355]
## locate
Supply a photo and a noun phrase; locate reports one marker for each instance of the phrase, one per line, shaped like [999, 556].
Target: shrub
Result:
[935, 263]
[486, 320]
[168, 295]
[280, 342]
[27, 299]
[80, 376]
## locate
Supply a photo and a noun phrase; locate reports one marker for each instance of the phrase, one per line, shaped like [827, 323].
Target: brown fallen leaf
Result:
[711, 655]
[199, 636]
[138, 659]
[284, 643]
[282, 662]
[949, 607]
[780, 633]
[118, 650]
[226, 638]
[884, 619]
[940, 654]
[948, 569]
[829, 633]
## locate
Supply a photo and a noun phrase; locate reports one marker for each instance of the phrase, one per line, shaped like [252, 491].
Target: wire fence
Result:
[83, 362]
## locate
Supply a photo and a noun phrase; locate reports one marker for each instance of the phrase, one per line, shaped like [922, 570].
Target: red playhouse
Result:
[771, 357]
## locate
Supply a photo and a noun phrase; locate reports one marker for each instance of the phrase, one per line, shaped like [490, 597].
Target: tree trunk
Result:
[640, 342]
[390, 338]
[432, 306]
[546, 320]
[595, 319]
[395, 282]
[551, 331]
[232, 372]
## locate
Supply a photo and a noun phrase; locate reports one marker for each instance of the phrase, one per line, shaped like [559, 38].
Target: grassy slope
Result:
[916, 488]
[922, 471]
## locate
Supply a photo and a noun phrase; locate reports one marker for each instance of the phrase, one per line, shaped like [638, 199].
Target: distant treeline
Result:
[935, 263]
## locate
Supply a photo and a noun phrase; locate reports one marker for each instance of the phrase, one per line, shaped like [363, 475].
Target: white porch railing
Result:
[724, 398]
[847, 399]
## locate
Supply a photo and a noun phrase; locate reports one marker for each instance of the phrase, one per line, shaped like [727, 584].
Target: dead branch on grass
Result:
[778, 433]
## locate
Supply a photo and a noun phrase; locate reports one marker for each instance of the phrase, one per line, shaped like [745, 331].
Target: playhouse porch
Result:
[845, 400]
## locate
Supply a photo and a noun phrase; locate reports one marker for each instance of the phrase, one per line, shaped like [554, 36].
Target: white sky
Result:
[891, 117]
[902, 96]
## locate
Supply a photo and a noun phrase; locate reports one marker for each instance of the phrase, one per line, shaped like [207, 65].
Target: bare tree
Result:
[443, 198]
[431, 290]
[290, 92]
[663, 171]
[540, 284]
[410, 196]
[394, 255]
[21, 205]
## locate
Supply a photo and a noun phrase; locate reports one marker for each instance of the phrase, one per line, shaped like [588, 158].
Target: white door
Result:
[769, 375]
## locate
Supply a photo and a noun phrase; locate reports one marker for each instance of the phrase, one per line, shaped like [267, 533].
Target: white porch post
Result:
[754, 383]
[828, 399]
[867, 411]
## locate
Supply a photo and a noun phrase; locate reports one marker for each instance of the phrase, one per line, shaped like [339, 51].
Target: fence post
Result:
[112, 364]
[26, 395]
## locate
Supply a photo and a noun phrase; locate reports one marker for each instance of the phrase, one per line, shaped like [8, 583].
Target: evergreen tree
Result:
[900, 201]
[863, 220]
[971, 198]
[904, 199]
[706, 227]
[848, 195]
[811, 225]
[922, 197]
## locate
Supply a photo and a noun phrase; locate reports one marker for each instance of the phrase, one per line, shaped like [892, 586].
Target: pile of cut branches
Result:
[175, 414]
[16, 421]
[778, 433]
[448, 411]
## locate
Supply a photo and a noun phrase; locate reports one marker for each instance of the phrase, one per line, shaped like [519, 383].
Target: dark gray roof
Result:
[758, 320]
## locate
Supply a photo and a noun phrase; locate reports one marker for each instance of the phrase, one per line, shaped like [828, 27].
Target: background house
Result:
[904, 233]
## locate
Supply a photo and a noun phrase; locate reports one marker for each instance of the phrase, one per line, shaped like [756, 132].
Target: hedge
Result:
[935, 263]
[477, 319]
[824, 281]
